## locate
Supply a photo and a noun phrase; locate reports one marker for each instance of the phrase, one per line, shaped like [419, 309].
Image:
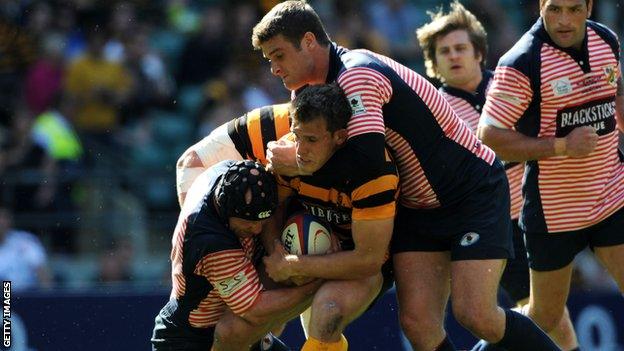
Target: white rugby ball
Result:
[303, 234]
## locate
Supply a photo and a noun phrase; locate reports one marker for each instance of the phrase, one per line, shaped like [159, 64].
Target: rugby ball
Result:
[303, 234]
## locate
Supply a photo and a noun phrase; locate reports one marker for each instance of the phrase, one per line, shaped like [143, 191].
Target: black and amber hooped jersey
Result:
[339, 195]
[251, 132]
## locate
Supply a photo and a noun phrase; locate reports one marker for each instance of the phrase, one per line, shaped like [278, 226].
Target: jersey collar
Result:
[580, 56]
[335, 63]
[476, 99]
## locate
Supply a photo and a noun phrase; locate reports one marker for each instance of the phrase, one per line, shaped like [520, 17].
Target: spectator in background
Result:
[496, 18]
[97, 89]
[17, 52]
[122, 26]
[115, 264]
[205, 54]
[26, 171]
[22, 256]
[395, 20]
[38, 19]
[153, 84]
[55, 134]
[43, 80]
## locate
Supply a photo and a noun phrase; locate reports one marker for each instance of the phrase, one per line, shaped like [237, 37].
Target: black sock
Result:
[522, 334]
[446, 345]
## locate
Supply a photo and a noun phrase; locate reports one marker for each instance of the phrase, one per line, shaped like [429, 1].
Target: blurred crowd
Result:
[99, 98]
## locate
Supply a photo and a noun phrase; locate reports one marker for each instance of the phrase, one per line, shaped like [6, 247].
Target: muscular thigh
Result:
[422, 282]
[475, 283]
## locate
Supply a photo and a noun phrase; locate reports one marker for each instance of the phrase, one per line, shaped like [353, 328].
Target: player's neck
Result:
[470, 85]
[321, 65]
[579, 46]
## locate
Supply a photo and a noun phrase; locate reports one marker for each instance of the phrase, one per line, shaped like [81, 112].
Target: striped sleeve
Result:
[233, 276]
[367, 90]
[508, 98]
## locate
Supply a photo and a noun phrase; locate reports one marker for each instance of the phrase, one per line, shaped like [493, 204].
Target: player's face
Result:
[245, 228]
[565, 21]
[294, 66]
[315, 144]
[456, 59]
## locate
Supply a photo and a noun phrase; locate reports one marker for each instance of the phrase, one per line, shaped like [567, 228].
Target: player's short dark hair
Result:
[326, 101]
[541, 3]
[292, 19]
[441, 24]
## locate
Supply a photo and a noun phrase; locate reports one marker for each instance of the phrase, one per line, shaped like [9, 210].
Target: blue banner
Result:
[121, 320]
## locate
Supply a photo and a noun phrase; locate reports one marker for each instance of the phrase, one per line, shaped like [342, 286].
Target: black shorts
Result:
[549, 252]
[477, 228]
[169, 336]
[515, 280]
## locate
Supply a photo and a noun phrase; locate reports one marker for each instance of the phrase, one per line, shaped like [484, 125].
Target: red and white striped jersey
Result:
[468, 107]
[543, 90]
[440, 161]
[211, 267]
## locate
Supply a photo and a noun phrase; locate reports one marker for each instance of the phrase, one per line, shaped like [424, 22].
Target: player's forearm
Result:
[352, 264]
[281, 303]
[510, 145]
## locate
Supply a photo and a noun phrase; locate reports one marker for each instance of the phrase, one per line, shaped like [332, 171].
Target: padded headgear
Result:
[231, 190]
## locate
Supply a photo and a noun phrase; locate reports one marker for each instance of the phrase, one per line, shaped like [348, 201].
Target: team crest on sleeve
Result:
[357, 105]
[611, 75]
[227, 287]
[561, 86]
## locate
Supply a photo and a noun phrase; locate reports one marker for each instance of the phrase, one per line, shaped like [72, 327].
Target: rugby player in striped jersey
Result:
[448, 181]
[556, 103]
[455, 47]
[218, 300]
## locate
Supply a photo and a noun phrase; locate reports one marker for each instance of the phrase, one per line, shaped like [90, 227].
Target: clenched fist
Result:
[581, 141]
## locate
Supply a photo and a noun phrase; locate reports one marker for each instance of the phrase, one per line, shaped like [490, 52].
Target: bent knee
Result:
[482, 325]
[327, 317]
[547, 320]
[224, 332]
[421, 325]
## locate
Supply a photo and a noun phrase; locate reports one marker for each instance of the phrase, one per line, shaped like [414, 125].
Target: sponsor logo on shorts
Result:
[469, 239]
